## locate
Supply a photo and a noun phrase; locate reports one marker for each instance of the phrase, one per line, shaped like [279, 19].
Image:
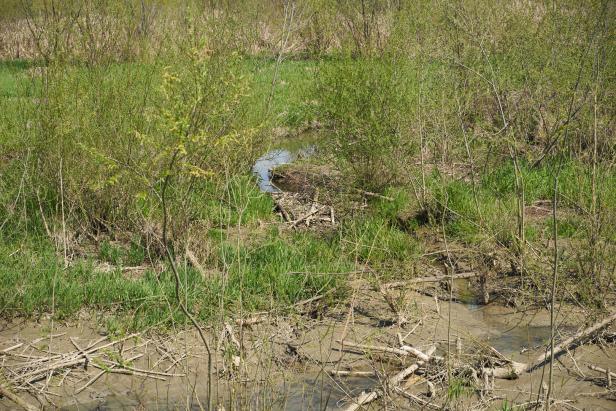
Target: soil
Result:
[285, 359]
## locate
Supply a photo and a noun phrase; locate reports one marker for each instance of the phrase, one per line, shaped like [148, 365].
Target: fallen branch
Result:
[308, 215]
[432, 279]
[349, 373]
[513, 370]
[392, 382]
[6, 392]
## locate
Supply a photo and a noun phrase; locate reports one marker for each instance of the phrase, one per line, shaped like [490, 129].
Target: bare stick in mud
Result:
[392, 382]
[513, 370]
[432, 279]
[351, 373]
[6, 392]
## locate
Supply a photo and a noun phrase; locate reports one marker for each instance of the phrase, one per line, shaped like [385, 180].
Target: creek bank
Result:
[281, 362]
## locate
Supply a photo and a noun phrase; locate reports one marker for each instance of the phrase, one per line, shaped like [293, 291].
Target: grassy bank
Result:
[120, 157]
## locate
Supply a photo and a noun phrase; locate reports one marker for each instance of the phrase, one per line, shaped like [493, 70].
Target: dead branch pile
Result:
[298, 212]
[32, 368]
[477, 367]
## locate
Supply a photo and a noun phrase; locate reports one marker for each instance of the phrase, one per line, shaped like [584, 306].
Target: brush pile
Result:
[299, 212]
[33, 368]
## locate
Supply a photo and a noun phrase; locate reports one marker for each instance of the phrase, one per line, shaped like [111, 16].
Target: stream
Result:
[298, 148]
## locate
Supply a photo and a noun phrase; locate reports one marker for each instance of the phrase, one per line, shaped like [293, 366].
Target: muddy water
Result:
[499, 327]
[508, 337]
[310, 392]
[307, 388]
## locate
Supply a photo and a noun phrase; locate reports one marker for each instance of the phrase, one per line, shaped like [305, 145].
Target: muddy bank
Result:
[285, 362]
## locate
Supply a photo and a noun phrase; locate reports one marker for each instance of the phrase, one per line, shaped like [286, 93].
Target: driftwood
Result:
[432, 279]
[351, 373]
[392, 382]
[608, 373]
[513, 370]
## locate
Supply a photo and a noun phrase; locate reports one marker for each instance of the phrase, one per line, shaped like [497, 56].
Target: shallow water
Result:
[509, 338]
[288, 151]
[265, 164]
[311, 392]
[500, 328]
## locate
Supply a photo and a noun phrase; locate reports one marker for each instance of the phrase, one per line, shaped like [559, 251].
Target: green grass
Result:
[494, 212]
[14, 80]
[34, 281]
[290, 104]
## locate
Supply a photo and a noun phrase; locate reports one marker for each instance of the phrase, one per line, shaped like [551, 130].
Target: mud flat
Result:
[300, 361]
